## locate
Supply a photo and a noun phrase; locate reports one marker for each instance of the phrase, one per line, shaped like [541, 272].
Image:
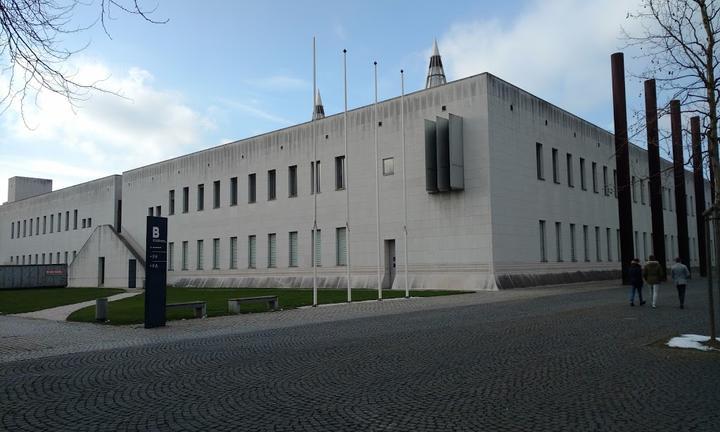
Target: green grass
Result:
[29, 300]
[131, 310]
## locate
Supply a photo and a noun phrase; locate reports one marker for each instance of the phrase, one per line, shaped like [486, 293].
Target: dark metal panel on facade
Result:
[430, 157]
[443, 154]
[33, 276]
[457, 163]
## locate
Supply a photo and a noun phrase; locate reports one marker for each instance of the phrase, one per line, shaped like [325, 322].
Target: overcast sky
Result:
[219, 71]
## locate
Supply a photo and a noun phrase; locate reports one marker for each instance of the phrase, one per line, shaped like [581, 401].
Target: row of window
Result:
[271, 178]
[667, 194]
[272, 259]
[670, 243]
[40, 258]
[28, 226]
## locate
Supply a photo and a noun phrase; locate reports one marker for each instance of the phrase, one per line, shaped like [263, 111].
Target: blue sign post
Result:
[155, 271]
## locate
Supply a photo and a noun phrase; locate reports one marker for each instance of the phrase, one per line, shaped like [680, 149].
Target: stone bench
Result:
[234, 304]
[200, 307]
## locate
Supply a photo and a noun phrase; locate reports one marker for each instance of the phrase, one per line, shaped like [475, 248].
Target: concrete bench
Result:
[234, 304]
[200, 307]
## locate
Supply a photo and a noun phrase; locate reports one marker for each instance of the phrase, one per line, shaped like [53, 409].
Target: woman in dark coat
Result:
[635, 274]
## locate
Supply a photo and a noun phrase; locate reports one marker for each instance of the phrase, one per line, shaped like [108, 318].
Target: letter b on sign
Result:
[155, 232]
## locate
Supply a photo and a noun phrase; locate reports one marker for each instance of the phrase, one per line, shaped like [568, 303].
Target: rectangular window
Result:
[200, 197]
[609, 244]
[171, 256]
[341, 246]
[151, 211]
[634, 190]
[75, 219]
[606, 188]
[642, 192]
[67, 220]
[570, 180]
[216, 194]
[31, 227]
[583, 184]
[558, 242]
[272, 251]
[388, 166]
[539, 161]
[200, 253]
[233, 252]
[251, 188]
[184, 262]
[216, 254]
[37, 225]
[586, 248]
[315, 173]
[543, 252]
[171, 202]
[18, 230]
[340, 172]
[573, 256]
[251, 251]
[598, 257]
[44, 224]
[293, 249]
[49, 257]
[292, 181]
[316, 253]
[84, 223]
[66, 257]
[12, 230]
[158, 211]
[43, 258]
[594, 177]
[24, 227]
[89, 222]
[271, 185]
[186, 199]
[52, 223]
[59, 223]
[233, 191]
[555, 167]
[74, 255]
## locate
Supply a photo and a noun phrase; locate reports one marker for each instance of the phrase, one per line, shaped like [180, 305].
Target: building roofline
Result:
[61, 189]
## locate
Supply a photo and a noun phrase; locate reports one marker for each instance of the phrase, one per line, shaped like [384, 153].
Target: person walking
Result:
[653, 274]
[680, 275]
[635, 274]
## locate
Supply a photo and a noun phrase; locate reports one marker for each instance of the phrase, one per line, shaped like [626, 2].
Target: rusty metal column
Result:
[680, 194]
[653, 143]
[622, 158]
[699, 191]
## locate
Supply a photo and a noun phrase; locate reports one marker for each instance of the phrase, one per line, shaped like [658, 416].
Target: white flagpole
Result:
[347, 187]
[377, 191]
[402, 126]
[314, 183]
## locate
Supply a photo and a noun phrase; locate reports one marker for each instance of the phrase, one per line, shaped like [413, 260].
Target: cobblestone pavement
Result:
[561, 359]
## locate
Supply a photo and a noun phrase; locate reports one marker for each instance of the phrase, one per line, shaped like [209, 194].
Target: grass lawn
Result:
[131, 310]
[28, 300]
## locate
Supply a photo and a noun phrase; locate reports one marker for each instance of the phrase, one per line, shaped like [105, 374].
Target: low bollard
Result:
[101, 307]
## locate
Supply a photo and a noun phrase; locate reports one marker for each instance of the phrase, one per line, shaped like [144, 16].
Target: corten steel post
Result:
[622, 158]
[653, 143]
[699, 180]
[680, 194]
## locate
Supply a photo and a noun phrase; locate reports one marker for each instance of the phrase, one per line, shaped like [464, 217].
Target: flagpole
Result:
[314, 184]
[347, 187]
[377, 190]
[402, 127]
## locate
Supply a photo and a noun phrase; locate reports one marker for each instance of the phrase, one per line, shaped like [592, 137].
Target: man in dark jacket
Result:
[636, 281]
[653, 274]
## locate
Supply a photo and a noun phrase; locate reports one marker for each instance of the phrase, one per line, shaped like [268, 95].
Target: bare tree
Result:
[33, 54]
[679, 39]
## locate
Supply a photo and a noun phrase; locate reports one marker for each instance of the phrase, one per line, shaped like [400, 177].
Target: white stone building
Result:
[535, 202]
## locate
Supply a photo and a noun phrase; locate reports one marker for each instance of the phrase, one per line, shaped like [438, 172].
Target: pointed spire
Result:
[319, 111]
[436, 73]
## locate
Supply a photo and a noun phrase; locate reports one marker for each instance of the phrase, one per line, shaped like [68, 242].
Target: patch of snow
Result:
[690, 341]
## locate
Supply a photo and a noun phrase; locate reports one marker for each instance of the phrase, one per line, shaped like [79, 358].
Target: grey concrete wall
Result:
[20, 188]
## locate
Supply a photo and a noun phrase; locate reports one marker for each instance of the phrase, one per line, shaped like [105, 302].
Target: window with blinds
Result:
[251, 251]
[341, 246]
[216, 254]
[271, 251]
[316, 251]
[293, 249]
[233, 252]
[199, 263]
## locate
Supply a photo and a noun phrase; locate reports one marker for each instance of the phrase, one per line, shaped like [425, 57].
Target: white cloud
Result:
[250, 107]
[557, 49]
[103, 135]
[279, 83]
